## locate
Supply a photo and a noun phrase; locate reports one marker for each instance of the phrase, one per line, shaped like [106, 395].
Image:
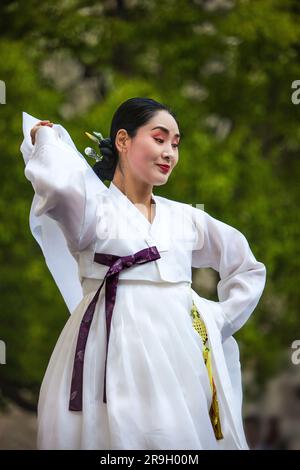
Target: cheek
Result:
[142, 157]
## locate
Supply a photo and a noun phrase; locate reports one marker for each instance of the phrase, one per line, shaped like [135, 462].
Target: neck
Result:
[138, 192]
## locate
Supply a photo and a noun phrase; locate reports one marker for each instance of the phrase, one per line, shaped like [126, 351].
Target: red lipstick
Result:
[164, 168]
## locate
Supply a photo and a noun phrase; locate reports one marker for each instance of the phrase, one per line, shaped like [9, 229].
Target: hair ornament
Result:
[97, 137]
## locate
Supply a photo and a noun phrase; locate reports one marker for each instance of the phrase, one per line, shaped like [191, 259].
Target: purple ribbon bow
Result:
[117, 264]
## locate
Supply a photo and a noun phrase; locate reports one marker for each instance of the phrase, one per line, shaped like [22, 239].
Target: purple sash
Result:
[117, 264]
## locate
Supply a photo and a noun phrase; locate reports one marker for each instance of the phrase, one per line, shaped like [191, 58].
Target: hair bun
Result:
[106, 162]
[105, 168]
[106, 148]
[106, 143]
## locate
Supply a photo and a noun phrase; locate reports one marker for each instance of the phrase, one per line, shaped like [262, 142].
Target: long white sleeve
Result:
[62, 215]
[58, 176]
[242, 277]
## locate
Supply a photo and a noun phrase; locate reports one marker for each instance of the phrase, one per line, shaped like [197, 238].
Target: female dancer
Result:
[143, 362]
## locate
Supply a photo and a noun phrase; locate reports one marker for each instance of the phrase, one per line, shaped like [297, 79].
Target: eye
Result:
[161, 141]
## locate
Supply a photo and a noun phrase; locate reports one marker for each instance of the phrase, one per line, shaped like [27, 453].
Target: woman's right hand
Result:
[36, 127]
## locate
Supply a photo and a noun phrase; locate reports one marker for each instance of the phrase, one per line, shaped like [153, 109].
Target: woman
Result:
[143, 361]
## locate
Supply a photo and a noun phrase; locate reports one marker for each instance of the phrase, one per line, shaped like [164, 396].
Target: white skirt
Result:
[158, 390]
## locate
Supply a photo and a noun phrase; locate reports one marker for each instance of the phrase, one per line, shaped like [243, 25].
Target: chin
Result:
[160, 182]
[157, 179]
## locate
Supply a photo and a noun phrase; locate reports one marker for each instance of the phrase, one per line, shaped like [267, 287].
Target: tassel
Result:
[200, 327]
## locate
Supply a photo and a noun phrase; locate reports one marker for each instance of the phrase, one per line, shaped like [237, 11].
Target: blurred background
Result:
[228, 70]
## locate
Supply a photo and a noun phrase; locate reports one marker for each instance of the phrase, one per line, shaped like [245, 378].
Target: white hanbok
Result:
[157, 386]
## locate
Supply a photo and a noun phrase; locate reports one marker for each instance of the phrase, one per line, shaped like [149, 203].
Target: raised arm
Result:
[242, 277]
[65, 186]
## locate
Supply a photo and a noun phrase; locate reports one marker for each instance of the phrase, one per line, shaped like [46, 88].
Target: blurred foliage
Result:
[226, 69]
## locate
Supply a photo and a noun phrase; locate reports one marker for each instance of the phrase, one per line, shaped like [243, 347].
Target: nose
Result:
[167, 156]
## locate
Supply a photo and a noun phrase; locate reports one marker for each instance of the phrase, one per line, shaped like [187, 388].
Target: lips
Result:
[165, 168]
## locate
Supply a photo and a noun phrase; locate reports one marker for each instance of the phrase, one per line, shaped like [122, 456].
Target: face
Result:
[153, 146]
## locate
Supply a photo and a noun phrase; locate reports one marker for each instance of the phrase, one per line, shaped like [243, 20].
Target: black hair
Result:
[130, 115]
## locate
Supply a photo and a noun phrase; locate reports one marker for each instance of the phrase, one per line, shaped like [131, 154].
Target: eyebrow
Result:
[165, 130]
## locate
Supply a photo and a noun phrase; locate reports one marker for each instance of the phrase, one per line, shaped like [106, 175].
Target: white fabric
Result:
[158, 393]
[61, 263]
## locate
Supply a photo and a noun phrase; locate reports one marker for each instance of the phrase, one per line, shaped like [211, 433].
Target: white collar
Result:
[156, 233]
[132, 207]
